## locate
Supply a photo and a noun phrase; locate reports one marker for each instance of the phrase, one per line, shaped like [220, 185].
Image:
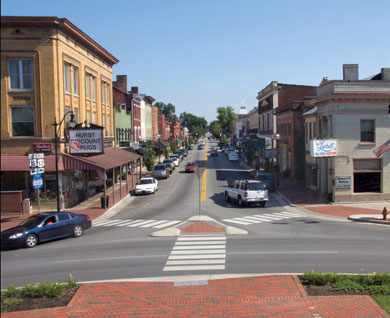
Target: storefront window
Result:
[367, 175]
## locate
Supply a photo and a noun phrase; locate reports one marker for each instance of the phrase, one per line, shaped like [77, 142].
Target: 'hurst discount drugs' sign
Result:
[87, 140]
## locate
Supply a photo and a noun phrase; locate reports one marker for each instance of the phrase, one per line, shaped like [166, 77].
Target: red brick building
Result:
[155, 129]
[136, 114]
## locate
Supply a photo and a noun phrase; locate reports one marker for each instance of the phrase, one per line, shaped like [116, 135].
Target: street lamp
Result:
[56, 132]
[276, 137]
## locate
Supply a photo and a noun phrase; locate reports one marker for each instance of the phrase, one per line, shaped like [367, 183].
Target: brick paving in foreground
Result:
[260, 297]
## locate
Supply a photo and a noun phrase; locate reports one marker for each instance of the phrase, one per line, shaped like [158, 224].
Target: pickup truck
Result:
[246, 192]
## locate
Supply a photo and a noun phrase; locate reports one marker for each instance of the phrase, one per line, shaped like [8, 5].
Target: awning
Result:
[111, 158]
[21, 163]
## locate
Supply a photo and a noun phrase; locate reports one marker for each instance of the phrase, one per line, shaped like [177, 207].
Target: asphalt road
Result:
[279, 240]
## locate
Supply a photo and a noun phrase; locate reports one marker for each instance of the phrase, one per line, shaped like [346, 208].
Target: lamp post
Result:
[276, 137]
[56, 132]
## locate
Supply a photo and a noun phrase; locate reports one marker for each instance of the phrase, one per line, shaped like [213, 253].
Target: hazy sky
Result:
[201, 54]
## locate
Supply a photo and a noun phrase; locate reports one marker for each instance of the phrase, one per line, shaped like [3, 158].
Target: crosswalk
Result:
[156, 224]
[260, 218]
[197, 253]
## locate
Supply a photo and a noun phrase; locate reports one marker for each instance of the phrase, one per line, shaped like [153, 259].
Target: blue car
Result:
[44, 227]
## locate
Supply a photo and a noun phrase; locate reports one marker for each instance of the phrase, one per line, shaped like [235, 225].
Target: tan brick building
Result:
[49, 67]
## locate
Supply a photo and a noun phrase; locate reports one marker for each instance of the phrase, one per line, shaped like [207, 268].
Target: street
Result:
[280, 239]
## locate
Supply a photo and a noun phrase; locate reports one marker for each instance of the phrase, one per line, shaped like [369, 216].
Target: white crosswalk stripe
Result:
[157, 224]
[197, 253]
[260, 218]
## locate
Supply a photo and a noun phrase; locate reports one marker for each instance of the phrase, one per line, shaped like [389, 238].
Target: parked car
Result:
[200, 147]
[184, 151]
[246, 192]
[179, 154]
[43, 227]
[268, 179]
[171, 165]
[160, 171]
[227, 150]
[175, 159]
[189, 147]
[146, 186]
[233, 156]
[191, 166]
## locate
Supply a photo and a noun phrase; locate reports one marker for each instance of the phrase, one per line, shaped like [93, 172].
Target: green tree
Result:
[194, 123]
[167, 109]
[166, 152]
[215, 129]
[150, 157]
[226, 116]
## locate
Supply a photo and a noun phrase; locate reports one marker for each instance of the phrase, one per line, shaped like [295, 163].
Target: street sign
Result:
[199, 172]
[37, 181]
[37, 163]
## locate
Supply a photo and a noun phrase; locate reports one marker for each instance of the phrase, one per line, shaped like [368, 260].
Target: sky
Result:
[203, 54]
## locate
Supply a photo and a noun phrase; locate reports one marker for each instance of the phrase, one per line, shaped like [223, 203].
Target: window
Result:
[104, 120]
[108, 95]
[20, 74]
[87, 88]
[88, 116]
[310, 135]
[63, 216]
[103, 89]
[108, 125]
[94, 117]
[367, 131]
[67, 77]
[75, 81]
[22, 118]
[314, 130]
[93, 88]
[289, 129]
[76, 114]
[367, 175]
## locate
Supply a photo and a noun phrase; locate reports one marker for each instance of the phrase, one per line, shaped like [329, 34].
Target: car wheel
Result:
[31, 240]
[77, 230]
[240, 203]
[262, 204]
[227, 197]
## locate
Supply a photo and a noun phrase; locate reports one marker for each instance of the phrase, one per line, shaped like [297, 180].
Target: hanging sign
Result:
[323, 148]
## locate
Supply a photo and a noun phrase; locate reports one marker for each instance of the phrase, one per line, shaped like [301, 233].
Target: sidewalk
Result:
[298, 195]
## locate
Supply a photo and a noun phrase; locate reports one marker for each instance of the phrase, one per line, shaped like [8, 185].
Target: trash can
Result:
[102, 202]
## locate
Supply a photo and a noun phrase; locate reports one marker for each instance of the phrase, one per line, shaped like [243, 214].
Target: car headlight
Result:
[15, 236]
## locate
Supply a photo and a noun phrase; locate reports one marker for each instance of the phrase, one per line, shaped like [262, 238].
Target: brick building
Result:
[122, 112]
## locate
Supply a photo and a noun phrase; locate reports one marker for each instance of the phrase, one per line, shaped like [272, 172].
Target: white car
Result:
[146, 185]
[233, 156]
[175, 159]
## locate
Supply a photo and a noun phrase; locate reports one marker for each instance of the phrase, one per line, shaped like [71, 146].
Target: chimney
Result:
[121, 82]
[134, 89]
[350, 72]
[385, 74]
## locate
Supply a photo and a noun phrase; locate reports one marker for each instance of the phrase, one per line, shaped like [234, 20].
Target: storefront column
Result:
[113, 185]
[120, 181]
[127, 179]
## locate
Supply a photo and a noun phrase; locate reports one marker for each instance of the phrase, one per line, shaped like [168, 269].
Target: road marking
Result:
[197, 253]
[260, 218]
[157, 224]
[154, 223]
[166, 224]
[141, 223]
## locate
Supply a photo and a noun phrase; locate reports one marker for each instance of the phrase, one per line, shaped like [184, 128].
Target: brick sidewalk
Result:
[266, 297]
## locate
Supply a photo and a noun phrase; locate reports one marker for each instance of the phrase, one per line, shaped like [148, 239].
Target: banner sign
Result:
[87, 140]
[42, 147]
[323, 148]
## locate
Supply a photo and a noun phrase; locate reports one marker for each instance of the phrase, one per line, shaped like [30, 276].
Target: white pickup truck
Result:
[246, 192]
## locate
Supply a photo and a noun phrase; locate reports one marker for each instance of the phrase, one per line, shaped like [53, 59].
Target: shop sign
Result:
[323, 148]
[37, 181]
[42, 147]
[343, 183]
[88, 141]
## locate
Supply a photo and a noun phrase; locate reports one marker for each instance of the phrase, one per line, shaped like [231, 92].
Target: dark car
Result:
[214, 152]
[191, 166]
[189, 147]
[200, 147]
[268, 179]
[170, 164]
[44, 227]
[160, 171]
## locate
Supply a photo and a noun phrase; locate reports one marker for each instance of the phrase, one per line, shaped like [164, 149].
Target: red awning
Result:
[111, 158]
[21, 163]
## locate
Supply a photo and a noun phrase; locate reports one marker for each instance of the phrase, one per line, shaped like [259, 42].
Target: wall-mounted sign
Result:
[42, 147]
[343, 183]
[85, 141]
[323, 148]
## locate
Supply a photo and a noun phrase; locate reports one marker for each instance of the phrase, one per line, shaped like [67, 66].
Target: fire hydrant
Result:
[385, 213]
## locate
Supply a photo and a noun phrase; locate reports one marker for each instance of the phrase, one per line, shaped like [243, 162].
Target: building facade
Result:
[355, 115]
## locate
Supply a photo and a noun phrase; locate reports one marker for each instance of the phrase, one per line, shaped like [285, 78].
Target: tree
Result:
[226, 116]
[194, 123]
[215, 129]
[166, 152]
[167, 109]
[149, 158]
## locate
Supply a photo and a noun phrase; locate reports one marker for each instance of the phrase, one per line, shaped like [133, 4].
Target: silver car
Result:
[160, 171]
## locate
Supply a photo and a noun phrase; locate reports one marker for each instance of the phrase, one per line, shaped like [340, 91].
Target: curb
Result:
[372, 218]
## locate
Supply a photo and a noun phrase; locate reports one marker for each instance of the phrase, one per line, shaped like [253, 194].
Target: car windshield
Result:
[159, 167]
[145, 181]
[256, 186]
[191, 164]
[167, 161]
[265, 177]
[33, 220]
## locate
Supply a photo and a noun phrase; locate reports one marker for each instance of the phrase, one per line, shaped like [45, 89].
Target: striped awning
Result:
[21, 163]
